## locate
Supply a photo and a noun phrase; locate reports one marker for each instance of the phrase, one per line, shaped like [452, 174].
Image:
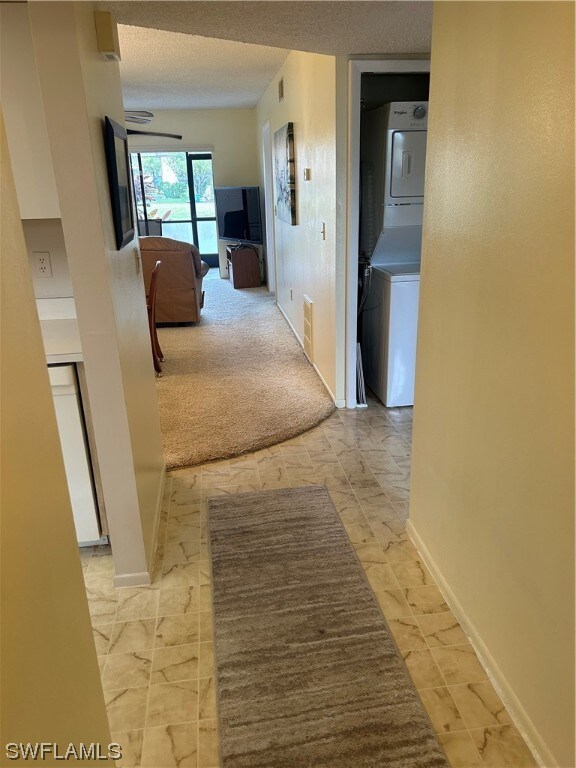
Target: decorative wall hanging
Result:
[284, 174]
[116, 145]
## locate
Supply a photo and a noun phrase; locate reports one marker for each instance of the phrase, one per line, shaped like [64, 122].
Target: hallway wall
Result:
[51, 687]
[492, 503]
[305, 263]
[78, 89]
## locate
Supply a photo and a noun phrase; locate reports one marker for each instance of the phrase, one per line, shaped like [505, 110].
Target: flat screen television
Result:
[238, 214]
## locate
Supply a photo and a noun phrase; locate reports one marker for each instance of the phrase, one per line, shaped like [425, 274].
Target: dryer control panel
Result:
[407, 115]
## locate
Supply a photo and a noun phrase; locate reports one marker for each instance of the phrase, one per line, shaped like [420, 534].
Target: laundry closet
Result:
[394, 123]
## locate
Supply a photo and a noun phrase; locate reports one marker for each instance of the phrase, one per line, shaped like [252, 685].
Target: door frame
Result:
[269, 206]
[356, 68]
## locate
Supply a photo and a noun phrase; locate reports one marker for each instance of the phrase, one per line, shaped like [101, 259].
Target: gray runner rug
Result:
[308, 674]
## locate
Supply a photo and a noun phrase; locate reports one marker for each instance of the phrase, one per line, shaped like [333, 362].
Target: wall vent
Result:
[281, 89]
[308, 304]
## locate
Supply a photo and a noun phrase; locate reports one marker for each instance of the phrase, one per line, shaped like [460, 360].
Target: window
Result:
[174, 194]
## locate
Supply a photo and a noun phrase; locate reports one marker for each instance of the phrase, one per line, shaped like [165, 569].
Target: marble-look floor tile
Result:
[273, 474]
[99, 583]
[206, 699]
[407, 634]
[177, 630]
[180, 553]
[442, 709]
[206, 665]
[352, 516]
[208, 751]
[360, 534]
[380, 576]
[103, 609]
[126, 708]
[370, 554]
[206, 634]
[102, 633]
[441, 629]
[179, 600]
[170, 746]
[459, 664]
[393, 603]
[502, 746]
[412, 573]
[174, 663]
[460, 749]
[127, 670]
[131, 744]
[130, 636]
[479, 704]
[423, 669]
[181, 575]
[171, 703]
[401, 551]
[425, 600]
[138, 603]
[388, 530]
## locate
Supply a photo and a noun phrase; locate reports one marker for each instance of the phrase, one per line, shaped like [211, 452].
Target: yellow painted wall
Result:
[306, 264]
[24, 117]
[50, 681]
[493, 470]
[229, 131]
[79, 88]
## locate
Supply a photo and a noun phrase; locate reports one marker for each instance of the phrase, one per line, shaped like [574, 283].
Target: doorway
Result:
[356, 70]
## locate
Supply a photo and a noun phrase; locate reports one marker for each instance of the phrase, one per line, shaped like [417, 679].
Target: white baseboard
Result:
[519, 716]
[337, 403]
[141, 579]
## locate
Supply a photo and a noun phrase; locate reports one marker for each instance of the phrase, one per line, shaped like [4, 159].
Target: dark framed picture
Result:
[116, 144]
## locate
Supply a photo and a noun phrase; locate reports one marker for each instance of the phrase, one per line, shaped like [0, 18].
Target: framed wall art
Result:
[116, 144]
[284, 174]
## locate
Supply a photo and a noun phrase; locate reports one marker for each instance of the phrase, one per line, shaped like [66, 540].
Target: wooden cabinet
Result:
[243, 267]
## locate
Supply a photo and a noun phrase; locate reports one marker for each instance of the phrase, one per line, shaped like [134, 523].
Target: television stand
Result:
[243, 266]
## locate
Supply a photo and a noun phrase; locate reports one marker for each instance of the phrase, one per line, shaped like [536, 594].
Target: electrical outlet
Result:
[42, 263]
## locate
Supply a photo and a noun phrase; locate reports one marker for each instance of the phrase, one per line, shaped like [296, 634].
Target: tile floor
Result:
[154, 644]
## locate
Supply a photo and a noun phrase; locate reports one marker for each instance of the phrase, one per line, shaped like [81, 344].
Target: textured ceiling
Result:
[330, 27]
[170, 70]
[193, 55]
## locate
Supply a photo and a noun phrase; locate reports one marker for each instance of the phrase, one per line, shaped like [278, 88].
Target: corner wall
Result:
[492, 502]
[51, 688]
[305, 263]
[78, 89]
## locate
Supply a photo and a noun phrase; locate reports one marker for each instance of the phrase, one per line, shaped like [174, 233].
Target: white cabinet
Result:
[75, 452]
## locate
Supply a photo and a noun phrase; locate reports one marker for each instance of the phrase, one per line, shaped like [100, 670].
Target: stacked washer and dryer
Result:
[393, 158]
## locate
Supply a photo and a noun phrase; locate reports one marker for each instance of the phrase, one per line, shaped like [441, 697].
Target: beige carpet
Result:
[236, 382]
[308, 674]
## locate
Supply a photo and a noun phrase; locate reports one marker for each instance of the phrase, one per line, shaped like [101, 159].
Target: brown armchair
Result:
[180, 297]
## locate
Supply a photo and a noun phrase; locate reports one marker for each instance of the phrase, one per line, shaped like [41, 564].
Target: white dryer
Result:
[392, 164]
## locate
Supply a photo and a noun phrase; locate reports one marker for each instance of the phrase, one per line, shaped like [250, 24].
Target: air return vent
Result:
[308, 304]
